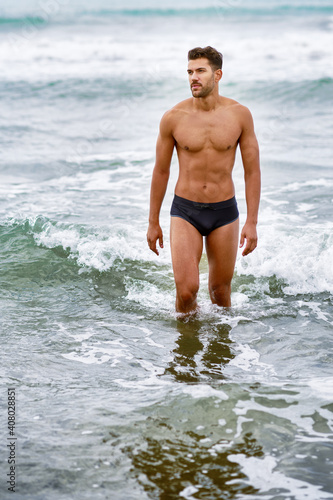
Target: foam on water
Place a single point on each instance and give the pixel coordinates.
(248, 360)
(323, 387)
(294, 245)
(258, 470)
(300, 258)
(90, 250)
(99, 353)
(299, 255)
(204, 391)
(54, 61)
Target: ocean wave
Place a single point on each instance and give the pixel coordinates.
(287, 91)
(60, 13)
(14, 21)
(233, 7)
(298, 256)
(100, 249)
(122, 96)
(297, 259)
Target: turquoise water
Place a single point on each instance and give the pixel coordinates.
(116, 398)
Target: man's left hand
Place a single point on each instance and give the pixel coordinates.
(249, 233)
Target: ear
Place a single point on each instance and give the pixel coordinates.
(218, 75)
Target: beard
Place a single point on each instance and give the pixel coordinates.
(203, 91)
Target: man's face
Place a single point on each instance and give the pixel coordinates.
(201, 77)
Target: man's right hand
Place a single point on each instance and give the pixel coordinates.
(154, 233)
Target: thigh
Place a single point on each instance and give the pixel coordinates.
(221, 248)
(186, 250)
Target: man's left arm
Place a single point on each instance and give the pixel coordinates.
(250, 156)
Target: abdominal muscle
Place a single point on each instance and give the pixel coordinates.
(203, 181)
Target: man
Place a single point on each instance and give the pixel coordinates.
(205, 130)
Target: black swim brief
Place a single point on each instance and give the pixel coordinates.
(205, 217)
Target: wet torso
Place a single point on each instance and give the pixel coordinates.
(206, 143)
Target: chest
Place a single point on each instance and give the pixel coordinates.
(198, 132)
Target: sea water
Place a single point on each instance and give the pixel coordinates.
(115, 398)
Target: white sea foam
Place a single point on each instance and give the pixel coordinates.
(204, 391)
(299, 258)
(297, 410)
(312, 183)
(297, 254)
(98, 353)
(127, 56)
(262, 473)
(150, 295)
(79, 335)
(248, 360)
(93, 250)
(323, 387)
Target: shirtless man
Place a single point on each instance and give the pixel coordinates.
(205, 130)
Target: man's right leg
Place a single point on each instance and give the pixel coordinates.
(186, 249)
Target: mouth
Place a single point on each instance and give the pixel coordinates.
(195, 86)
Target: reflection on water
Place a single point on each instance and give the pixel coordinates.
(170, 466)
(202, 351)
(185, 445)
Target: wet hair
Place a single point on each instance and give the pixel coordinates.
(214, 57)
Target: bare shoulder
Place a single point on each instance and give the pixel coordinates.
(242, 115)
(180, 108)
(172, 116)
(240, 110)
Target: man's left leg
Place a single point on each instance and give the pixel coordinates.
(221, 248)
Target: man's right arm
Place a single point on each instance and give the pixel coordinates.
(164, 150)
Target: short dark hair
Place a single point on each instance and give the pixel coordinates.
(214, 57)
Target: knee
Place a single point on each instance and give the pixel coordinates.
(187, 294)
(221, 294)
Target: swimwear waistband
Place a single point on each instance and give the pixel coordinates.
(213, 206)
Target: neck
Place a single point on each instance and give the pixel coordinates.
(208, 103)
